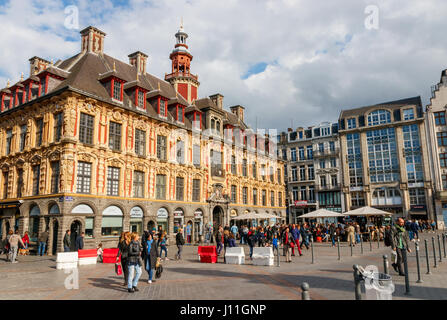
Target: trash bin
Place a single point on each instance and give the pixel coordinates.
(378, 286)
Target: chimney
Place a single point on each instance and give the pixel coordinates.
(92, 40)
(37, 64)
(218, 100)
(238, 111)
(139, 60)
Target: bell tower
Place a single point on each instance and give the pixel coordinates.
(181, 78)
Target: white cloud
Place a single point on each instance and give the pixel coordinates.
(309, 78)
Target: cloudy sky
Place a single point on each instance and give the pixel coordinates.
(289, 62)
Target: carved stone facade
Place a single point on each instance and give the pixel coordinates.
(53, 179)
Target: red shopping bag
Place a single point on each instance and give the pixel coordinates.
(118, 269)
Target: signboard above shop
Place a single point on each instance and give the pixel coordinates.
(162, 213)
(136, 212)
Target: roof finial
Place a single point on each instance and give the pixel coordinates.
(138, 78)
(176, 94)
(181, 23)
(114, 66)
(8, 84)
(158, 86)
(52, 62)
(21, 77)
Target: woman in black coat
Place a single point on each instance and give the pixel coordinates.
(151, 255)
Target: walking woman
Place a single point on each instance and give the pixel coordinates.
(287, 240)
(163, 247)
(151, 256)
(123, 250)
(134, 263)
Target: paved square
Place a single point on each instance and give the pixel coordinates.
(329, 278)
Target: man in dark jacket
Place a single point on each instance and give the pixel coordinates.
(67, 241)
(43, 238)
(400, 244)
(179, 241)
(80, 241)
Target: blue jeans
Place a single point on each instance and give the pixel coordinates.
(219, 247)
(131, 280)
(41, 249)
(251, 251)
(357, 237)
(163, 248)
(411, 234)
(149, 268)
(66, 249)
(333, 240)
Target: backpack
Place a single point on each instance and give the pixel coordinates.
(388, 239)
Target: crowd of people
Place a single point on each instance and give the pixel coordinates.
(133, 254)
(294, 237)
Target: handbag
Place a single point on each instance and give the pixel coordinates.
(157, 264)
(118, 269)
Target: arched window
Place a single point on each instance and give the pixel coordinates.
(379, 117)
(112, 221)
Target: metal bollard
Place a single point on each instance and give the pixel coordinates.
(361, 243)
(357, 283)
(277, 258)
(427, 257)
(439, 247)
(305, 295)
(407, 280)
(443, 244)
(351, 248)
(434, 251)
(338, 247)
(312, 249)
(417, 263)
(370, 242)
(385, 264)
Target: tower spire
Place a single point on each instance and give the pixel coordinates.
(180, 77)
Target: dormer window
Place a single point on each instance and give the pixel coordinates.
(162, 107)
(351, 123)
(409, 114)
(180, 115)
(117, 90)
(43, 86)
(197, 121)
(141, 99)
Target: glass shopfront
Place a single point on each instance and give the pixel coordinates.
(33, 223)
(136, 220)
(112, 222)
(198, 225)
(178, 220)
(162, 219)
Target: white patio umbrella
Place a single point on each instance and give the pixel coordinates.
(367, 211)
(321, 213)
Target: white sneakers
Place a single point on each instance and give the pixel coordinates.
(149, 281)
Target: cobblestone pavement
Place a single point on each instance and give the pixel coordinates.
(329, 278)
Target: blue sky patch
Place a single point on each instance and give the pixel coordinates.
(255, 69)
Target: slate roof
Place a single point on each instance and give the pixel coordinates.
(390, 105)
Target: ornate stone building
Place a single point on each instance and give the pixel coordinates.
(436, 124)
(95, 144)
(313, 172)
(385, 158)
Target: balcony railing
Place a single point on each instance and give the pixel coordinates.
(328, 187)
(217, 172)
(181, 74)
(324, 153)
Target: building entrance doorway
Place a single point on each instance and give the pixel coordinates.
(75, 231)
(218, 215)
(55, 233)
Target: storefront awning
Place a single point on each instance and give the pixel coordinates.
(11, 204)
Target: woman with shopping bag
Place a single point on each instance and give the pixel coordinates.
(123, 253)
(151, 257)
